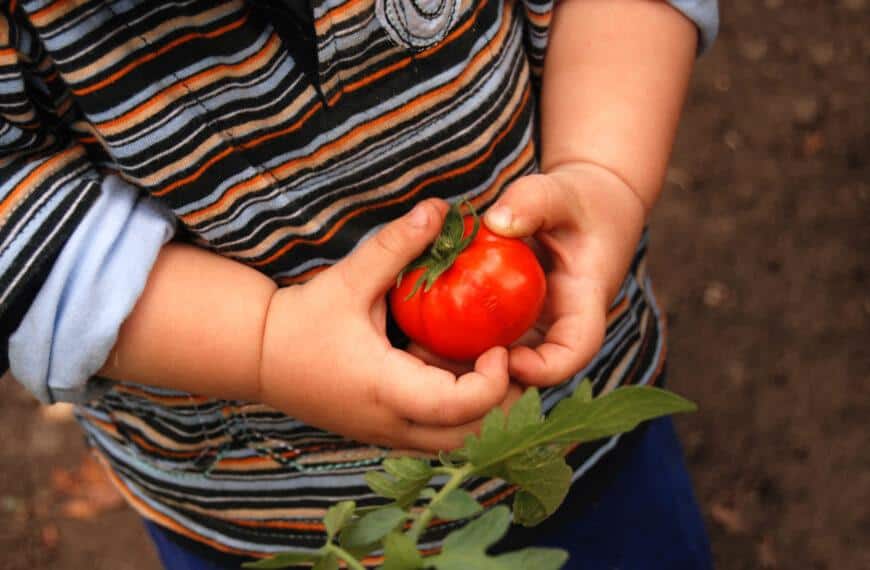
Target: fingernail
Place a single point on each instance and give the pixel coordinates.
(500, 216)
(419, 216)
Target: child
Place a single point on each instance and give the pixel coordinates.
(164, 165)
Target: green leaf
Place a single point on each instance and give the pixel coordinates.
(403, 491)
(408, 468)
(328, 562)
(465, 549)
(534, 557)
(573, 420)
(285, 559)
(337, 517)
(525, 412)
(620, 411)
(428, 493)
(583, 392)
(528, 510)
(400, 553)
(457, 504)
(502, 437)
(543, 474)
(454, 458)
(405, 477)
(481, 533)
(373, 526)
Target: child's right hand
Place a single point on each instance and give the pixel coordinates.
(326, 359)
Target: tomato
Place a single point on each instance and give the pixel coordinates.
(473, 290)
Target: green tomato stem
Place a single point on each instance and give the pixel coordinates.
(346, 556)
(457, 476)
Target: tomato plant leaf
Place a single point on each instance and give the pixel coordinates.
(481, 533)
(285, 559)
(575, 420)
(400, 553)
(466, 548)
(373, 526)
(533, 557)
(457, 504)
(408, 468)
(583, 391)
(525, 412)
(337, 517)
(543, 474)
(528, 510)
(403, 491)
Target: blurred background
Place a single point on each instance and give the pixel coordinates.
(761, 258)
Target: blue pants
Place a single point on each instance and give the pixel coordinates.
(647, 519)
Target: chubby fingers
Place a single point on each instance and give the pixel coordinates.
(371, 269)
(530, 204)
(432, 438)
(432, 396)
(454, 366)
(571, 342)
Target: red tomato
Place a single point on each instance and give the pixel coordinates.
(489, 295)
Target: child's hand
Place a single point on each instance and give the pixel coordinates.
(587, 223)
(327, 361)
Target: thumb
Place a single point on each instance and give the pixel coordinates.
(373, 266)
(528, 205)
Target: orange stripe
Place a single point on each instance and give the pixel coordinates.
(8, 51)
(155, 54)
(617, 311)
(196, 174)
(193, 217)
(141, 442)
(335, 12)
(106, 427)
(290, 525)
(182, 84)
(444, 176)
(255, 460)
(540, 20)
(166, 400)
(49, 10)
(27, 183)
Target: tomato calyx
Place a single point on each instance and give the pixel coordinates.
(444, 250)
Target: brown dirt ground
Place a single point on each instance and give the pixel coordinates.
(760, 252)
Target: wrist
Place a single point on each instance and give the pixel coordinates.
(584, 175)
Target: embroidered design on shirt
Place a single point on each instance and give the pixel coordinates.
(417, 24)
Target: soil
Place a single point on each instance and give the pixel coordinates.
(760, 251)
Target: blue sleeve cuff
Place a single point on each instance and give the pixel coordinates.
(705, 15)
(69, 330)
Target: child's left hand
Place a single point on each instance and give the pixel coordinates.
(585, 223)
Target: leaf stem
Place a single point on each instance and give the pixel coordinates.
(346, 556)
(457, 476)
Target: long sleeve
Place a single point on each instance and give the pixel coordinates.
(70, 328)
(47, 183)
(76, 246)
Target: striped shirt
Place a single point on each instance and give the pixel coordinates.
(283, 158)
